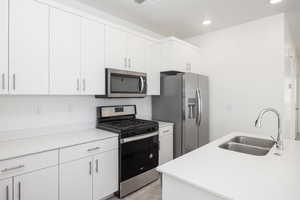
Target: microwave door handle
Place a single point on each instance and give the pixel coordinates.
(142, 84)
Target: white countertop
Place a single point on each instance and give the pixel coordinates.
(164, 124)
(21, 147)
(240, 176)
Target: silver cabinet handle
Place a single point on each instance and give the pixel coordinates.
(97, 165)
(125, 62)
(3, 81)
(90, 168)
(166, 131)
(77, 87)
(83, 84)
(19, 188)
(129, 62)
(14, 81)
(7, 193)
(12, 168)
(142, 84)
(93, 149)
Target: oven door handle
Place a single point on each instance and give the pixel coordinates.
(139, 137)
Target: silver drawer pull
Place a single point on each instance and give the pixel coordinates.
(166, 131)
(3, 81)
(97, 166)
(14, 81)
(93, 149)
(7, 192)
(19, 186)
(12, 168)
(90, 168)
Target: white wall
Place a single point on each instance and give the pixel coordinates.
(245, 65)
(32, 112)
(291, 71)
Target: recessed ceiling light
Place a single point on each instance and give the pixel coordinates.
(207, 22)
(275, 1)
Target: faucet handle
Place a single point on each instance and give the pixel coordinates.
(273, 139)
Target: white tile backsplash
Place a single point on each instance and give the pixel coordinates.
(34, 112)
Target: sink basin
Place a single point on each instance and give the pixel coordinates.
(245, 149)
(249, 145)
(264, 143)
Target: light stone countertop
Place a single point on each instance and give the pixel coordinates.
(21, 147)
(240, 176)
(164, 124)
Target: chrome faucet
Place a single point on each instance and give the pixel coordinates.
(258, 123)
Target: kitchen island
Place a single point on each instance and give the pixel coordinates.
(213, 173)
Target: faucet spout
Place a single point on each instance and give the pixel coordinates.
(258, 123)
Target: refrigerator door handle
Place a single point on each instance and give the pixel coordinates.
(199, 106)
(197, 111)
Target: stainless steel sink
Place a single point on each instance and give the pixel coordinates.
(257, 142)
(249, 145)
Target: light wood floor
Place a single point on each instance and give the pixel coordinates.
(150, 192)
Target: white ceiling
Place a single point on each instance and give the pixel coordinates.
(183, 18)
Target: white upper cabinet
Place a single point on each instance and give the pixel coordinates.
(152, 63)
(124, 50)
(65, 53)
(4, 46)
(115, 48)
(29, 36)
(42, 184)
(92, 69)
(178, 55)
(136, 49)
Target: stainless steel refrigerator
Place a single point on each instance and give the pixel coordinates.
(184, 100)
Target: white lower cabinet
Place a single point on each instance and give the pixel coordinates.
(90, 178)
(166, 144)
(6, 189)
(76, 180)
(42, 184)
(105, 180)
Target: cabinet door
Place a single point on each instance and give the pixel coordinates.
(152, 63)
(93, 70)
(105, 180)
(4, 46)
(166, 148)
(76, 180)
(136, 47)
(29, 48)
(37, 185)
(6, 189)
(65, 52)
(115, 48)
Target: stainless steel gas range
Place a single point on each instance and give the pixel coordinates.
(138, 146)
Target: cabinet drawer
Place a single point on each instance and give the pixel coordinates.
(26, 164)
(84, 150)
(166, 130)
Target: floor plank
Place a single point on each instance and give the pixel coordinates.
(150, 192)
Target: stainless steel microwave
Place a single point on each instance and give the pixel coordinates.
(122, 83)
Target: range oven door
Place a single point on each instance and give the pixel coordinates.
(138, 156)
(121, 83)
